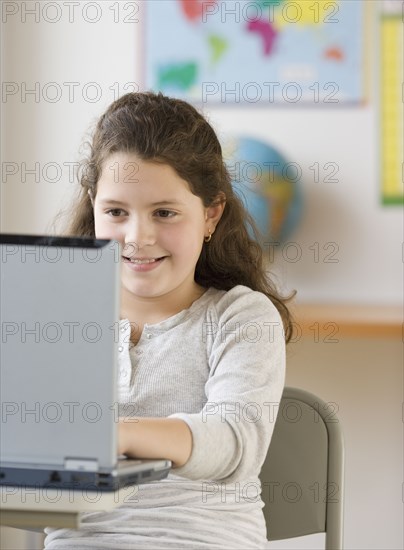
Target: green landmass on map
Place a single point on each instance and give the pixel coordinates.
(177, 75)
(267, 3)
(218, 46)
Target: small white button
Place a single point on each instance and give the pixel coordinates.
(148, 336)
(123, 328)
(120, 348)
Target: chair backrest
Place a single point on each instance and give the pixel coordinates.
(303, 474)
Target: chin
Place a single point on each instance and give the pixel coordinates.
(140, 290)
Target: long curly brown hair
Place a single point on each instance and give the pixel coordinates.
(167, 130)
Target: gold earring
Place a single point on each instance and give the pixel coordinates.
(207, 239)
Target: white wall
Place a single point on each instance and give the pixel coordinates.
(364, 377)
(348, 213)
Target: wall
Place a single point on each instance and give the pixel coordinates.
(348, 213)
(364, 377)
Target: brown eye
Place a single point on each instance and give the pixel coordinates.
(114, 212)
(166, 213)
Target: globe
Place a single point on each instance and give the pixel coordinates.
(268, 185)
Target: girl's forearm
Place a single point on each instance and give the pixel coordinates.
(168, 438)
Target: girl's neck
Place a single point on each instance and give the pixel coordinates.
(153, 310)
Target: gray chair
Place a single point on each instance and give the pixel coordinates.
(302, 477)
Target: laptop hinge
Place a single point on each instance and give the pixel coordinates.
(84, 464)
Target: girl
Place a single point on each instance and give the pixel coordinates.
(202, 350)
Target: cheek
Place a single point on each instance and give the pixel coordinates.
(103, 230)
(185, 240)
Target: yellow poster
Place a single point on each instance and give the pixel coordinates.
(391, 97)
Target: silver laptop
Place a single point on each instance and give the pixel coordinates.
(59, 313)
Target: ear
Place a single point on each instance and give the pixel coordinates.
(214, 212)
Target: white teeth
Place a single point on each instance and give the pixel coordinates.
(134, 261)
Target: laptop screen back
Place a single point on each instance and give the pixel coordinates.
(59, 339)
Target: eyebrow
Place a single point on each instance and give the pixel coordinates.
(158, 203)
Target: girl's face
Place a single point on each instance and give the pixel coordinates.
(149, 209)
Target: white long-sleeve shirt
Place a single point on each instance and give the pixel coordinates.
(219, 366)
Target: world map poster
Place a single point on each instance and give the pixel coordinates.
(271, 51)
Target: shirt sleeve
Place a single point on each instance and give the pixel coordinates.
(246, 353)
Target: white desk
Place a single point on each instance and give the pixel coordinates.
(31, 508)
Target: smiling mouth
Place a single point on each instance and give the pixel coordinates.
(140, 261)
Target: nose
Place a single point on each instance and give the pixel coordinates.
(140, 233)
